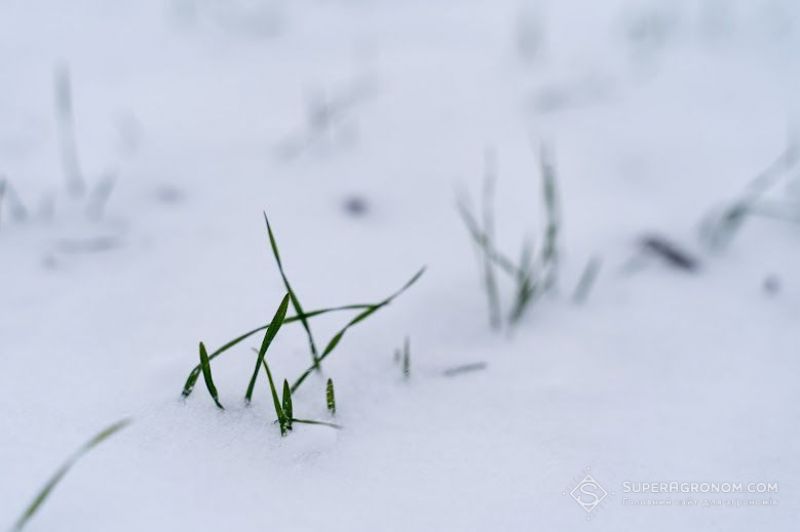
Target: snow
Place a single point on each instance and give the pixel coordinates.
(659, 376)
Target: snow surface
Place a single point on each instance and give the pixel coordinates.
(200, 107)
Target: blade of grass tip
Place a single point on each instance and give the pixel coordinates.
(281, 415)
(191, 380)
(586, 281)
(314, 422)
(358, 318)
(272, 331)
(295, 301)
(330, 397)
(206, 367)
(406, 358)
(287, 404)
(44, 493)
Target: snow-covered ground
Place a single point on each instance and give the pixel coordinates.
(656, 113)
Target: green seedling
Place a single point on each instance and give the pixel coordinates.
(288, 410)
(191, 380)
(283, 421)
(330, 397)
(206, 367)
(533, 275)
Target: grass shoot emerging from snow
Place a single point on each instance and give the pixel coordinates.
(586, 282)
(717, 230)
(284, 408)
(272, 331)
(407, 359)
(206, 367)
(330, 397)
(533, 275)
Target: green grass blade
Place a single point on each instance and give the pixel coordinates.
(549, 192)
(275, 401)
(44, 493)
(489, 275)
(272, 331)
(287, 404)
(295, 301)
(65, 121)
(330, 397)
(314, 422)
(586, 281)
(360, 317)
(464, 368)
(191, 380)
(528, 291)
(481, 241)
(206, 367)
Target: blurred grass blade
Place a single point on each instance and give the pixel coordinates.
(527, 286)
(330, 397)
(464, 368)
(527, 291)
(586, 281)
(481, 241)
(272, 331)
(295, 301)
(490, 277)
(191, 380)
(40, 498)
(206, 367)
(287, 404)
(549, 192)
(360, 317)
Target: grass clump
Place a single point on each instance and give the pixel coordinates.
(283, 405)
(44, 493)
(534, 273)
